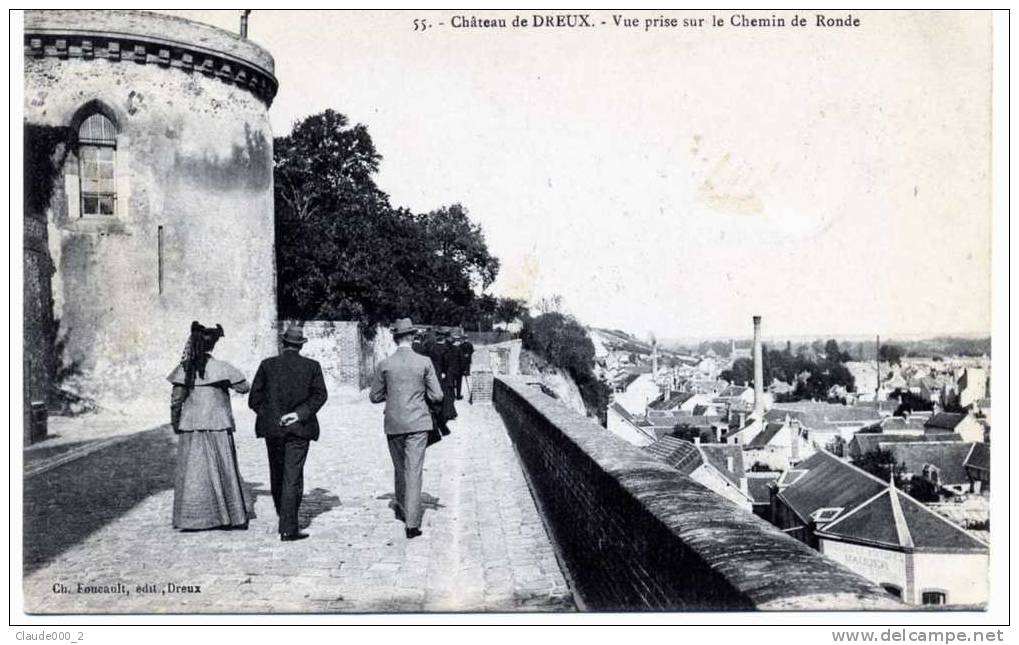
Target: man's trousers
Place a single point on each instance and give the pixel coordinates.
(286, 477)
(408, 453)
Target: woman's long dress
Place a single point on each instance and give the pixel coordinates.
(207, 488)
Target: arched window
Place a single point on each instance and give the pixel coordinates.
(894, 590)
(97, 153)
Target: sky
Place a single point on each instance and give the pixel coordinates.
(678, 181)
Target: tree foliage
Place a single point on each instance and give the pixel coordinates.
(344, 253)
(882, 464)
(563, 342)
(890, 354)
(813, 373)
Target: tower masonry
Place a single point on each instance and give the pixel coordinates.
(150, 202)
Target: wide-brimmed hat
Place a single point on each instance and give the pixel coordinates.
(294, 335)
(402, 327)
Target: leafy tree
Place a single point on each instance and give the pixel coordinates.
(686, 432)
(881, 464)
(837, 446)
(344, 253)
(891, 354)
(910, 402)
(564, 343)
(834, 354)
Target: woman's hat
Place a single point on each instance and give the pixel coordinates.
(198, 328)
(403, 326)
(294, 335)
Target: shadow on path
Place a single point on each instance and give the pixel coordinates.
(63, 506)
(428, 502)
(315, 503)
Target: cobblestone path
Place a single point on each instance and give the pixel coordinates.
(104, 520)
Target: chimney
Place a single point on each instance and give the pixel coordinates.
(244, 22)
(877, 392)
(758, 371)
(654, 356)
(794, 444)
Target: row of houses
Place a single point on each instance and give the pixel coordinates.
(793, 466)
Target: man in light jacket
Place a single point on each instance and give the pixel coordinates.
(406, 381)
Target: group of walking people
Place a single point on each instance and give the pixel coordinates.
(418, 384)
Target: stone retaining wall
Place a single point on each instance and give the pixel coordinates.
(637, 535)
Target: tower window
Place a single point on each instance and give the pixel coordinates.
(934, 598)
(97, 151)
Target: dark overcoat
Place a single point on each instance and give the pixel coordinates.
(284, 384)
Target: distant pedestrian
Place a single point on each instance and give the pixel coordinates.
(449, 366)
(467, 351)
(455, 365)
(407, 381)
(287, 393)
(207, 487)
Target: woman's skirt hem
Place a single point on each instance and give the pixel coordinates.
(207, 488)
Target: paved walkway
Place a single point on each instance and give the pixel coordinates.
(104, 520)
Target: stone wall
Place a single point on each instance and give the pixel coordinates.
(337, 346)
(637, 535)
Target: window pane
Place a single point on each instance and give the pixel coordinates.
(90, 185)
(933, 598)
(97, 128)
(98, 181)
(106, 205)
(89, 205)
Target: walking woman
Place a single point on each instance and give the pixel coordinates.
(207, 492)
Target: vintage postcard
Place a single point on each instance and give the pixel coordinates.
(516, 311)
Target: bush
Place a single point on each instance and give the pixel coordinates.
(564, 343)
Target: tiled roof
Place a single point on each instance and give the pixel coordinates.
(681, 455)
(894, 519)
(621, 411)
(790, 477)
(765, 436)
(758, 486)
(671, 402)
(947, 456)
(979, 457)
(829, 482)
(945, 420)
(891, 424)
(870, 441)
(718, 454)
(822, 416)
(734, 390)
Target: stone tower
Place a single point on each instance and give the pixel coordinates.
(150, 200)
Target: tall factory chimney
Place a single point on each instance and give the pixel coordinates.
(654, 355)
(758, 371)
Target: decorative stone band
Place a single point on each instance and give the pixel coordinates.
(636, 534)
(51, 34)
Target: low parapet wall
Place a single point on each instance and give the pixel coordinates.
(638, 535)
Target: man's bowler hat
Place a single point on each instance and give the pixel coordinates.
(294, 335)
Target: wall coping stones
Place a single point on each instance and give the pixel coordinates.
(146, 37)
(770, 569)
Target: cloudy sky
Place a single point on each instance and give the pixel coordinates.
(678, 181)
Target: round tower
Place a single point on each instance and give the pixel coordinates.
(150, 200)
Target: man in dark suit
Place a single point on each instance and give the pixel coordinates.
(406, 381)
(467, 351)
(287, 392)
